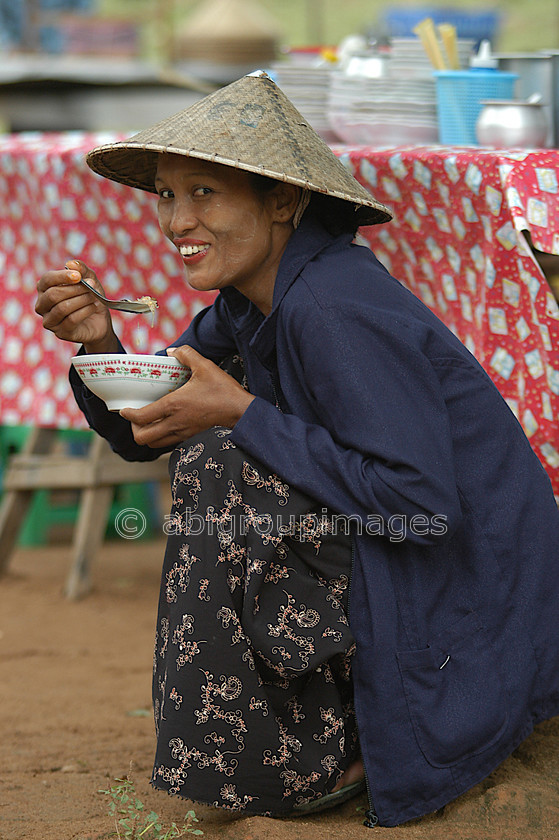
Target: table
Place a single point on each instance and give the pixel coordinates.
(53, 207)
(41, 92)
(455, 240)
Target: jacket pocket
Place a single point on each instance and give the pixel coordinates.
(454, 692)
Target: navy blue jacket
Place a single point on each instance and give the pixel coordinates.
(388, 420)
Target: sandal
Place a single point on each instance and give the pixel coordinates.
(330, 800)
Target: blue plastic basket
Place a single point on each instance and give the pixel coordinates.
(459, 97)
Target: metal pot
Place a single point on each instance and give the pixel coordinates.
(535, 75)
(512, 124)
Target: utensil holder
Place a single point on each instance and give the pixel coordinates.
(459, 97)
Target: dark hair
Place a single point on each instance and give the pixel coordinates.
(335, 214)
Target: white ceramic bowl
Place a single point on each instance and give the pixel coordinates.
(125, 380)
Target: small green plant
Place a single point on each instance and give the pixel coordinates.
(132, 822)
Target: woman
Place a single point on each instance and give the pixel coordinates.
(367, 451)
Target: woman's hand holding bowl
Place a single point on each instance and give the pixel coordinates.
(211, 397)
(71, 312)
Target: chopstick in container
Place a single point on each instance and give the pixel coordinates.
(425, 30)
(448, 36)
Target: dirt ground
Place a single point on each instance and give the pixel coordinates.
(75, 714)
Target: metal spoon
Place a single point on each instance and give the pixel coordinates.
(123, 305)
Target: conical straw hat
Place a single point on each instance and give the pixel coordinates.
(230, 20)
(250, 125)
(229, 31)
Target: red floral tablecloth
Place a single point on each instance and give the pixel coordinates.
(52, 207)
(455, 241)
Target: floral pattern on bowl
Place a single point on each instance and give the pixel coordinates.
(130, 380)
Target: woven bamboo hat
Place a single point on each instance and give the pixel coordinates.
(250, 125)
(233, 32)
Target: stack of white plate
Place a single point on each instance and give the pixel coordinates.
(308, 88)
(409, 60)
(396, 108)
(391, 102)
(383, 112)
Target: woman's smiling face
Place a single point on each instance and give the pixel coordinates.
(226, 232)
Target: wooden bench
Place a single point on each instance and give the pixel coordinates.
(95, 475)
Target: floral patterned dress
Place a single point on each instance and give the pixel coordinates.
(252, 689)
